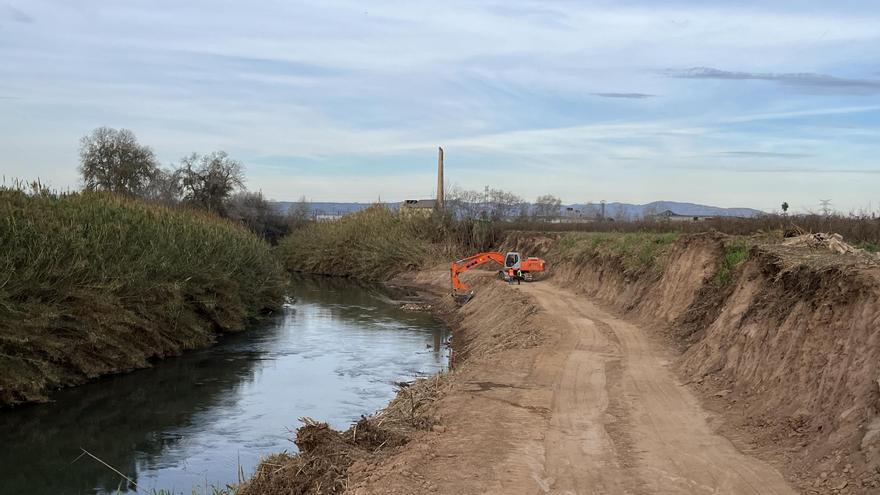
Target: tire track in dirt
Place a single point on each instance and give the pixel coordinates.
(655, 439)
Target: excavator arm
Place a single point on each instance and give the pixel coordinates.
(461, 266)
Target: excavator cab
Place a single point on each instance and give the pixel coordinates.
(512, 260)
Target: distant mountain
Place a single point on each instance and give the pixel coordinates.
(325, 208)
(633, 211)
(612, 210)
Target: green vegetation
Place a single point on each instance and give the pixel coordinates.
(638, 252)
(373, 244)
(735, 252)
(379, 243)
(871, 247)
(95, 283)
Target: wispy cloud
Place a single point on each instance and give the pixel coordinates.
(762, 154)
(635, 96)
(822, 81)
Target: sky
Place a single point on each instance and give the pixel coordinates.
(736, 103)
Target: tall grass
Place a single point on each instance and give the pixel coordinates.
(373, 244)
(638, 252)
(93, 283)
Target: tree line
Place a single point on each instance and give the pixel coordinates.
(497, 204)
(113, 160)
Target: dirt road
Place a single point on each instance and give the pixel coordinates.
(595, 410)
(621, 422)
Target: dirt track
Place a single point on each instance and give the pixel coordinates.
(592, 410)
(621, 422)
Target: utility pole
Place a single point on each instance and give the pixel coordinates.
(826, 207)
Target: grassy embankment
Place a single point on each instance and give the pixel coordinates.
(637, 252)
(93, 284)
(377, 243)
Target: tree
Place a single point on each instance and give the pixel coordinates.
(503, 204)
(548, 206)
(112, 160)
(209, 180)
(299, 214)
(164, 187)
(784, 207)
(256, 213)
(463, 203)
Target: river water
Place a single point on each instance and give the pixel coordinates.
(194, 421)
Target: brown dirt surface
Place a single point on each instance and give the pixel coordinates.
(586, 404)
(567, 386)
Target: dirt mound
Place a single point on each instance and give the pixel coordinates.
(319, 468)
(795, 352)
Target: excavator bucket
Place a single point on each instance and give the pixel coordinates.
(462, 298)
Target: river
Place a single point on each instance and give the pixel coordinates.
(194, 422)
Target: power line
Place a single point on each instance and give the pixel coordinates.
(826, 206)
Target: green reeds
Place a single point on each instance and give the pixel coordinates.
(373, 244)
(94, 283)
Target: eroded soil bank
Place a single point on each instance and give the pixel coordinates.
(691, 373)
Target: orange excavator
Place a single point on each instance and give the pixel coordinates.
(515, 268)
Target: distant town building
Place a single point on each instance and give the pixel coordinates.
(418, 207)
(671, 216)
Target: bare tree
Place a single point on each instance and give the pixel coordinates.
(259, 215)
(208, 180)
(463, 203)
(112, 160)
(299, 214)
(547, 206)
(164, 187)
(504, 204)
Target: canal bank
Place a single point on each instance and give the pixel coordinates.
(201, 419)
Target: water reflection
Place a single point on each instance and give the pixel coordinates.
(195, 419)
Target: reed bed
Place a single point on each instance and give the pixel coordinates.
(92, 283)
(373, 244)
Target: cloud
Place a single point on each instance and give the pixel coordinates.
(808, 170)
(820, 81)
(762, 154)
(18, 15)
(635, 96)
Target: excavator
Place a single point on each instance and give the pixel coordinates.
(515, 268)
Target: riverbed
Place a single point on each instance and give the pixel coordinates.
(202, 420)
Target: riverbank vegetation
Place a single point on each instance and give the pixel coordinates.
(378, 243)
(95, 283)
(113, 160)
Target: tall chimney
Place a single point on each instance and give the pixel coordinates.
(440, 196)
